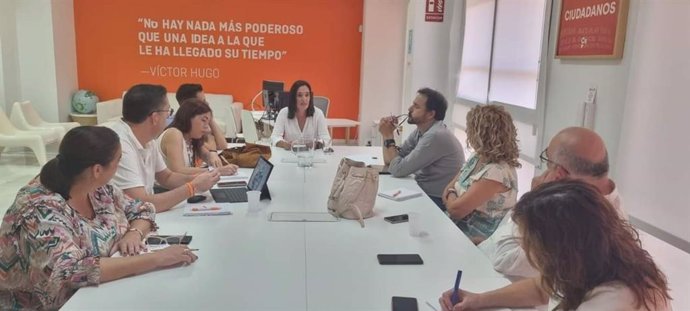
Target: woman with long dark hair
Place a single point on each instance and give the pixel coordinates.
(588, 257)
(300, 119)
(62, 228)
(182, 143)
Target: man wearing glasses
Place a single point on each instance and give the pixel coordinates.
(145, 110)
(431, 152)
(574, 152)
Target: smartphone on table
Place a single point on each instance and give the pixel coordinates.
(400, 259)
(397, 219)
(404, 304)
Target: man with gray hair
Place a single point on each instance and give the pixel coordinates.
(576, 153)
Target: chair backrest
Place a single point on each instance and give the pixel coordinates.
(6, 127)
(108, 110)
(31, 114)
(251, 135)
(221, 104)
(18, 118)
(230, 127)
(322, 103)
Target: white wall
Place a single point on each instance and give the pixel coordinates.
(429, 63)
(65, 48)
(37, 57)
(568, 82)
(9, 61)
(45, 50)
(383, 43)
(652, 163)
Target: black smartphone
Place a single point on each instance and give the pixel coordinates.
(396, 219)
(400, 259)
(232, 184)
(168, 239)
(404, 304)
(196, 199)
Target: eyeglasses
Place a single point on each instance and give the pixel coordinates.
(165, 239)
(404, 118)
(171, 111)
(545, 160)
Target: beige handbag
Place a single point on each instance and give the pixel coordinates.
(354, 191)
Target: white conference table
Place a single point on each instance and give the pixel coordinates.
(330, 123)
(249, 263)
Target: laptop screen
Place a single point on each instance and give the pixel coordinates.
(260, 174)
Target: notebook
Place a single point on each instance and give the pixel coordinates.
(367, 159)
(400, 194)
(207, 209)
(236, 177)
(257, 181)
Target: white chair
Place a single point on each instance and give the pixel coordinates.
(231, 130)
(49, 134)
(322, 103)
(251, 135)
(10, 136)
(25, 110)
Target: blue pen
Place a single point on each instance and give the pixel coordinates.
(455, 297)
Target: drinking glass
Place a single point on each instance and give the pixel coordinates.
(303, 148)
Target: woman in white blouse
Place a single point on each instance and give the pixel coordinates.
(588, 257)
(300, 119)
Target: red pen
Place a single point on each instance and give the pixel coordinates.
(397, 193)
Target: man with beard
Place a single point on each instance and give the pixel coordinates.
(431, 151)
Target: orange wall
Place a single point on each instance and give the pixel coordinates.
(111, 57)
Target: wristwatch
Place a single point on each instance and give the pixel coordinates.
(389, 143)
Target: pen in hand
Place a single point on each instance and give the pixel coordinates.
(455, 297)
(223, 160)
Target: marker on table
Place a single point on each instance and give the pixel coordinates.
(397, 193)
(455, 297)
(205, 208)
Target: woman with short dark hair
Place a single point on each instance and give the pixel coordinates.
(61, 230)
(589, 258)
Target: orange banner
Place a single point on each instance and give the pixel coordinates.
(229, 46)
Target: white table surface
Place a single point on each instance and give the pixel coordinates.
(248, 263)
(336, 122)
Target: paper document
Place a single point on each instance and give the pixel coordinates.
(400, 194)
(207, 209)
(367, 159)
(236, 177)
(302, 217)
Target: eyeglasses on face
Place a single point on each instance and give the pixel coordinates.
(544, 158)
(171, 111)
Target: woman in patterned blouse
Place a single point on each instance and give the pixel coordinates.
(485, 189)
(65, 224)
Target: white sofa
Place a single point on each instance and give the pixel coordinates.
(226, 113)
